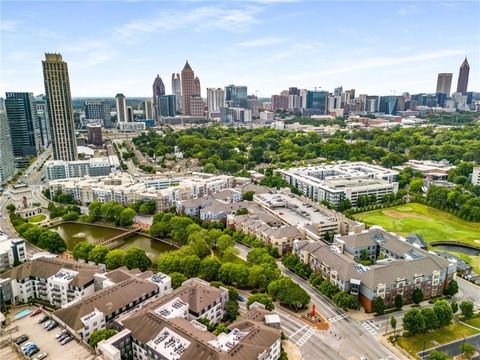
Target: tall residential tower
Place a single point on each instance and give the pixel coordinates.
(121, 108)
(177, 90)
(60, 111)
(7, 161)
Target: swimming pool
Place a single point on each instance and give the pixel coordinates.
(22, 313)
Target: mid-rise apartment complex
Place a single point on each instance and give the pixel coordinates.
(58, 169)
(397, 267)
(57, 281)
(335, 183)
(12, 252)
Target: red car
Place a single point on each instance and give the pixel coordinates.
(36, 312)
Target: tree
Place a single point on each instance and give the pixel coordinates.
(451, 288)
(99, 335)
(378, 306)
(438, 355)
(94, 211)
(221, 328)
(414, 321)
(416, 185)
(179, 228)
(467, 349)
(431, 321)
(443, 313)
(393, 324)
(417, 296)
(11, 208)
(264, 299)
(224, 242)
(345, 300)
(454, 307)
(52, 242)
(258, 256)
(115, 259)
(198, 244)
(344, 205)
(209, 268)
(177, 279)
(399, 301)
(289, 293)
(82, 250)
(98, 254)
(248, 195)
(466, 307)
(231, 310)
(328, 289)
(126, 217)
(230, 254)
(189, 265)
(136, 258)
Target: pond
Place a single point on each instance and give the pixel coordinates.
(457, 248)
(74, 233)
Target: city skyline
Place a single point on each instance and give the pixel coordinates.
(257, 44)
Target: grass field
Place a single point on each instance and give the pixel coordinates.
(37, 218)
(432, 224)
(414, 344)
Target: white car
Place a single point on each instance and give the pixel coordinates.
(40, 356)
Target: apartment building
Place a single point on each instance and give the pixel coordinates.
(337, 182)
(397, 267)
(125, 188)
(193, 207)
(167, 332)
(59, 169)
(122, 291)
(57, 281)
(432, 170)
(12, 252)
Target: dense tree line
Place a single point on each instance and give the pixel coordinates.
(111, 212)
(233, 151)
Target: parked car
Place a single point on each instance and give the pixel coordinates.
(36, 312)
(241, 298)
(60, 334)
(26, 346)
(63, 336)
(43, 319)
(21, 339)
(32, 351)
(66, 340)
(40, 356)
(52, 325)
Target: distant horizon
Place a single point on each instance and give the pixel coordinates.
(377, 48)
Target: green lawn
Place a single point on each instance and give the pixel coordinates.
(432, 224)
(414, 344)
(37, 218)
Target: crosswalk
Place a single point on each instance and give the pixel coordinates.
(337, 318)
(370, 327)
(305, 337)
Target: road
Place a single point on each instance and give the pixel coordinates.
(346, 338)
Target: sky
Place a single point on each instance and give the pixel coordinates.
(377, 48)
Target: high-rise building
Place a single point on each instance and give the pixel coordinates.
(252, 104)
(389, 105)
(177, 90)
(236, 96)
(372, 103)
(158, 90)
(130, 115)
(98, 109)
(94, 134)
(148, 109)
(196, 106)
(60, 111)
(7, 160)
(444, 83)
(294, 102)
(279, 102)
(233, 115)
(42, 113)
(188, 88)
(24, 124)
(215, 99)
(293, 91)
(317, 102)
(167, 105)
(462, 83)
(197, 89)
(121, 108)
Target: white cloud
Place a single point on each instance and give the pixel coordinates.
(260, 42)
(9, 25)
(380, 62)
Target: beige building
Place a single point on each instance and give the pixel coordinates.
(60, 111)
(444, 83)
(188, 88)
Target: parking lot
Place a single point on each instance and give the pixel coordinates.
(46, 340)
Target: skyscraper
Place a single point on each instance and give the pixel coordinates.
(197, 89)
(167, 105)
(158, 89)
(317, 102)
(462, 83)
(444, 83)
(60, 111)
(236, 96)
(279, 102)
(121, 108)
(130, 114)
(24, 124)
(188, 88)
(7, 161)
(177, 90)
(99, 109)
(389, 105)
(42, 112)
(196, 105)
(215, 99)
(148, 109)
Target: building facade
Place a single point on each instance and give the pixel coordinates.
(177, 90)
(444, 83)
(24, 124)
(236, 96)
(463, 73)
(42, 112)
(58, 169)
(158, 90)
(121, 105)
(167, 105)
(7, 159)
(215, 99)
(99, 109)
(60, 111)
(188, 89)
(12, 252)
